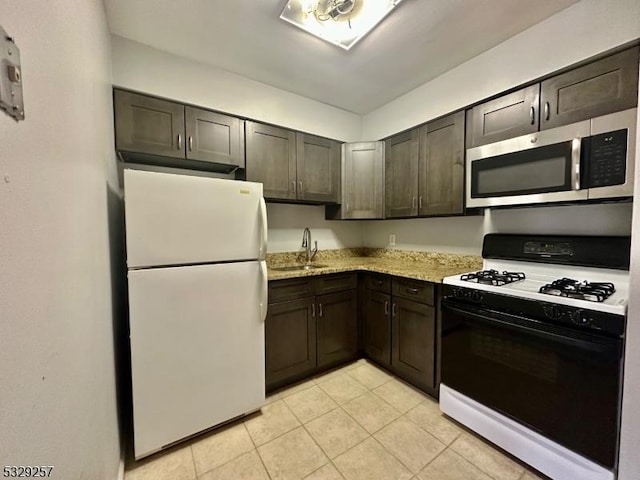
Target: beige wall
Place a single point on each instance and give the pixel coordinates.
(57, 385)
(139, 67)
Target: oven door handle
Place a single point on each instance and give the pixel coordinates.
(557, 335)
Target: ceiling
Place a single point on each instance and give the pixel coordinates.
(418, 41)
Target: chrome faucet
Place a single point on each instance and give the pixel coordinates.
(306, 243)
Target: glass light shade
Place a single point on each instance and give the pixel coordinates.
(325, 18)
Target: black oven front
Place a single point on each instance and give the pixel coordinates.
(560, 382)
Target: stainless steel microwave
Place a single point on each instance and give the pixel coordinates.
(592, 159)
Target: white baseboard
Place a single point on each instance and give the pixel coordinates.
(121, 467)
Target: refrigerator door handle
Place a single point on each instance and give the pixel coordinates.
(263, 217)
(265, 290)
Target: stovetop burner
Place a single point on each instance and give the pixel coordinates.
(567, 287)
(493, 277)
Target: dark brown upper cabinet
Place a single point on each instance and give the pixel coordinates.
(599, 88)
(271, 159)
(362, 182)
(148, 125)
(214, 137)
(505, 117)
(401, 175)
(154, 130)
(441, 166)
(424, 169)
(318, 168)
(292, 166)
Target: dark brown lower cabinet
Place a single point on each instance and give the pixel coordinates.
(315, 323)
(376, 326)
(312, 325)
(413, 342)
(336, 327)
(290, 341)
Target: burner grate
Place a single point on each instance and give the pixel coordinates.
(493, 277)
(567, 287)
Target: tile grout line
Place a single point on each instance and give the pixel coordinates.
(255, 447)
(193, 461)
(468, 460)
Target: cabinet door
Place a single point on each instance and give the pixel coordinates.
(318, 168)
(413, 346)
(337, 327)
(290, 341)
(376, 326)
(271, 159)
(505, 117)
(213, 137)
(148, 125)
(401, 175)
(605, 86)
(363, 180)
(442, 166)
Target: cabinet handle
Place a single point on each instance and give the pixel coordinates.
(547, 110)
(319, 309)
(179, 141)
(413, 202)
(190, 143)
(394, 310)
(412, 291)
(347, 207)
(300, 186)
(532, 114)
(386, 307)
(420, 202)
(294, 186)
(313, 310)
(379, 283)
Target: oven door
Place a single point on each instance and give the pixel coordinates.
(561, 383)
(538, 168)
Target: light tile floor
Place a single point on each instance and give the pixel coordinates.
(354, 423)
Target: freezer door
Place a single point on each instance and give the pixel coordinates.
(197, 349)
(180, 219)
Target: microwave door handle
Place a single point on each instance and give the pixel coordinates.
(576, 147)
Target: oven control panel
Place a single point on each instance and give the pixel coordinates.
(536, 310)
(475, 296)
(577, 316)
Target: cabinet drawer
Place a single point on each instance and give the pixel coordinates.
(413, 289)
(289, 289)
(335, 283)
(379, 283)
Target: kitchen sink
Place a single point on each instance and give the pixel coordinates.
(293, 268)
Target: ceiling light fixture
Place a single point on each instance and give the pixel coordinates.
(341, 22)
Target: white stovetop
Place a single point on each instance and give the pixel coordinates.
(538, 275)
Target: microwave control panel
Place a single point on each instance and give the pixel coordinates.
(607, 159)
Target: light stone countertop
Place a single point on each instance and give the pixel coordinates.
(427, 266)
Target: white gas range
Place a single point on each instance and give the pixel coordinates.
(532, 350)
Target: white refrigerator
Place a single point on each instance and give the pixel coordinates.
(197, 284)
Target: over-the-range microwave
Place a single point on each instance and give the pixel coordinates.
(592, 159)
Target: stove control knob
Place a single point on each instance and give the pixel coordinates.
(581, 317)
(477, 296)
(553, 312)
